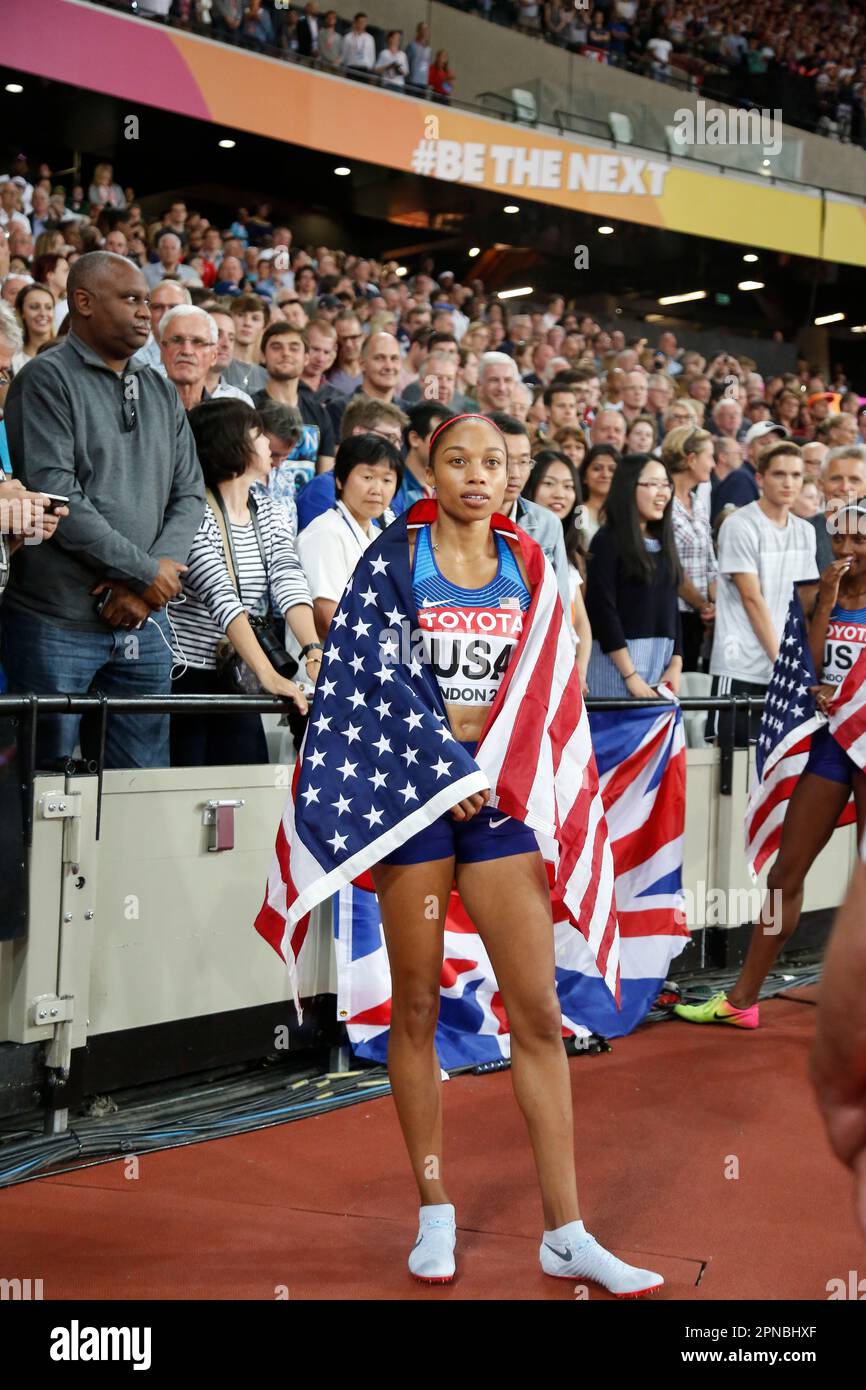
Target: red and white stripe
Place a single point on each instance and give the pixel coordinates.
(848, 713)
(537, 752)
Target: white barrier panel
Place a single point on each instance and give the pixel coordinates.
(148, 925)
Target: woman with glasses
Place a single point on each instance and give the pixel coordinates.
(688, 456)
(632, 584)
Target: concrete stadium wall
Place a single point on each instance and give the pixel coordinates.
(490, 58)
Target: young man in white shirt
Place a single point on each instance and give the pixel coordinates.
(359, 50)
(764, 551)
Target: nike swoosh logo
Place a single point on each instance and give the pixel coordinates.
(566, 1255)
(501, 821)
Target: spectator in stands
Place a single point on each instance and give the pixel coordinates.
(741, 486)
(330, 41)
(424, 418)
(764, 552)
(808, 504)
(284, 350)
(609, 428)
(536, 521)
(188, 338)
(243, 560)
(418, 53)
(595, 477)
(571, 441)
(641, 435)
(554, 484)
(392, 63)
(359, 50)
(843, 480)
(346, 375)
(380, 366)
(216, 386)
(688, 456)
(168, 248)
(34, 305)
(529, 15)
(361, 416)
(727, 419)
(250, 313)
(86, 424)
(11, 214)
(367, 473)
(728, 456)
(561, 402)
(633, 577)
(841, 430)
(52, 271)
(167, 295)
(556, 21)
(321, 354)
(308, 31)
(634, 394)
(660, 390)
(437, 381)
(814, 455)
(22, 513)
(440, 78)
(103, 191)
(497, 374)
(283, 429)
(786, 409)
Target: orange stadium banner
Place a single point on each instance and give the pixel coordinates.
(137, 60)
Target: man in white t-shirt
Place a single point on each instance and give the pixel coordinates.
(764, 551)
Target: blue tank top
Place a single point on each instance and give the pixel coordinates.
(469, 634)
(845, 640)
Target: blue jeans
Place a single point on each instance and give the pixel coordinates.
(42, 658)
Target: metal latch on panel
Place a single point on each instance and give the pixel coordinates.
(62, 805)
(219, 817)
(48, 1009)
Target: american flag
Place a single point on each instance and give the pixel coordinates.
(789, 721)
(379, 763)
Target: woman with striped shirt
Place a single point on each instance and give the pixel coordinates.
(234, 454)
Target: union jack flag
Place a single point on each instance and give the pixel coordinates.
(379, 763)
(789, 721)
(641, 763)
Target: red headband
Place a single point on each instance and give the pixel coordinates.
(470, 415)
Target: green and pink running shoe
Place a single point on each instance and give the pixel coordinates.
(718, 1010)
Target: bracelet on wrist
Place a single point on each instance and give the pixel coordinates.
(312, 646)
(629, 676)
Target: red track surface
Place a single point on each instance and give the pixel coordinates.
(326, 1207)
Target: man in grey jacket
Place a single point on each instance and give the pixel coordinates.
(86, 423)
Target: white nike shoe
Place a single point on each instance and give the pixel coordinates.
(584, 1258)
(431, 1259)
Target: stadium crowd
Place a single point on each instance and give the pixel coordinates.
(820, 47)
(278, 400)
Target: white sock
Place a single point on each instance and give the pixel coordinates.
(570, 1252)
